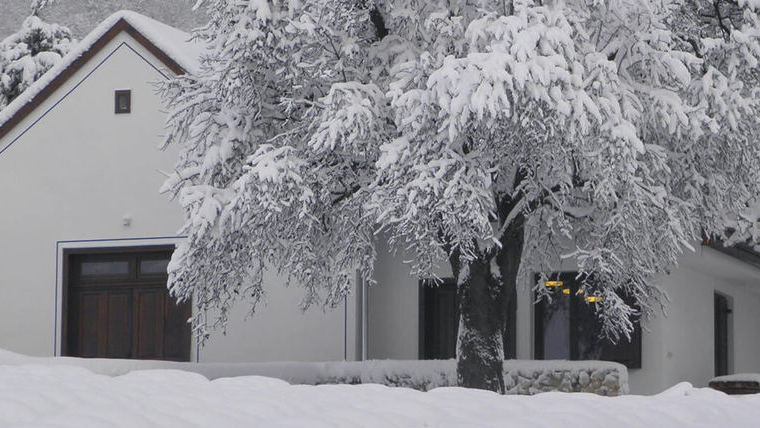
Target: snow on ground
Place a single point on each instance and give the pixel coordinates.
(64, 396)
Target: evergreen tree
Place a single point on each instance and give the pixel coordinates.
(497, 136)
(26, 55)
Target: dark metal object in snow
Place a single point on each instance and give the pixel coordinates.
(736, 387)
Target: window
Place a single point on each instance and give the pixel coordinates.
(123, 101)
(153, 266)
(568, 328)
(104, 267)
(439, 321)
(722, 334)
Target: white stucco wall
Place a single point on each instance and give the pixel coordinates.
(679, 346)
(279, 331)
(76, 173)
(392, 309)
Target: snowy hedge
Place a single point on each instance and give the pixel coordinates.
(521, 376)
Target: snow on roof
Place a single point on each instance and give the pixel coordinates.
(172, 41)
(738, 377)
(169, 41)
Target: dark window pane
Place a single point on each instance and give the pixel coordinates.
(114, 267)
(588, 328)
(569, 328)
(441, 319)
(721, 334)
(122, 102)
(557, 327)
(154, 266)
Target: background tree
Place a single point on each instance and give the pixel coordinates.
(38, 5)
(496, 136)
(26, 55)
(81, 16)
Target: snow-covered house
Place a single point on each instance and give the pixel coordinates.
(85, 238)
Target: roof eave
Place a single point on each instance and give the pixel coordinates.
(120, 25)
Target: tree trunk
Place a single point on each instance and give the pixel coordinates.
(484, 297)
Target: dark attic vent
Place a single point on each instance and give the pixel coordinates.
(122, 101)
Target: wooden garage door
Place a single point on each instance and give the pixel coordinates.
(117, 306)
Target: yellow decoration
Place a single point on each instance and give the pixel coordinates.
(594, 299)
(554, 283)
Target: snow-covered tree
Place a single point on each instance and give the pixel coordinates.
(497, 136)
(81, 16)
(29, 53)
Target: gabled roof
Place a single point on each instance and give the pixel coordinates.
(743, 251)
(170, 45)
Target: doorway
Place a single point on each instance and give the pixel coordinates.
(439, 321)
(722, 308)
(116, 305)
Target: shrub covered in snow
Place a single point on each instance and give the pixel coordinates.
(522, 377)
(28, 54)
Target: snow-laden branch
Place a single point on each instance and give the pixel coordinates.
(629, 124)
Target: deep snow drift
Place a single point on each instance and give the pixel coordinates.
(63, 396)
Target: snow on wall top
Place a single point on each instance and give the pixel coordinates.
(174, 43)
(520, 376)
(738, 377)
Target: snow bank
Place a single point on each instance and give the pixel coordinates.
(521, 377)
(61, 396)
